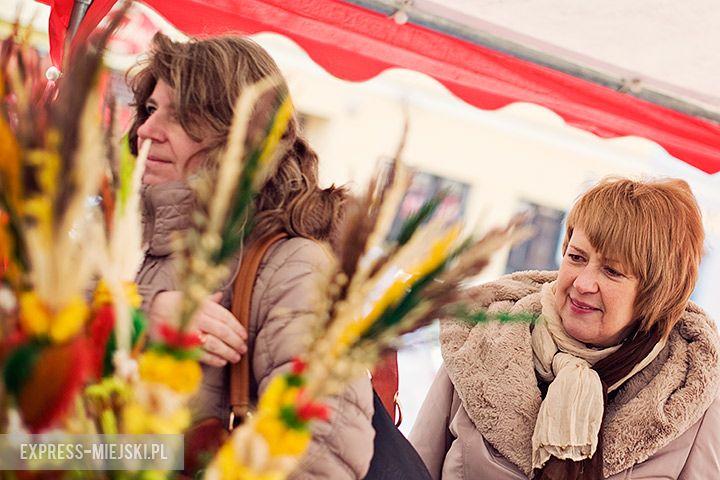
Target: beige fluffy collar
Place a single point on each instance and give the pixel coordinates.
(491, 367)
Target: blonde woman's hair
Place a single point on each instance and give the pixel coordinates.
(655, 229)
(207, 76)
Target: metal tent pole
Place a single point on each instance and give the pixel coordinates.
(80, 8)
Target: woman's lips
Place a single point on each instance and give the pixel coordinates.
(157, 160)
(581, 307)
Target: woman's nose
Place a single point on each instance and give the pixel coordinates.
(152, 129)
(586, 281)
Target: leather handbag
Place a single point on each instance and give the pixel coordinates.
(204, 439)
(394, 457)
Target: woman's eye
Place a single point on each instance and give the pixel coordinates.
(575, 258)
(613, 273)
(150, 109)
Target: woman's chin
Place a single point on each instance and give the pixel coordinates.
(580, 331)
(584, 335)
(150, 178)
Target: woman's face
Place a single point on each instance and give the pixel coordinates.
(594, 295)
(173, 153)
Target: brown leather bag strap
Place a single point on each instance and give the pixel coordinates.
(242, 295)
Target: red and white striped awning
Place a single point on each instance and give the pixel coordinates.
(355, 43)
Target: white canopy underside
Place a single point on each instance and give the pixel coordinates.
(669, 46)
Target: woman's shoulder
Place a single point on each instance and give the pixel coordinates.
(517, 293)
(674, 395)
(295, 264)
(696, 334)
(290, 279)
(696, 325)
(509, 289)
(298, 250)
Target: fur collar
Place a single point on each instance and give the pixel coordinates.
(491, 368)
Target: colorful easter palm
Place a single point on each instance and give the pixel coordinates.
(51, 164)
(56, 241)
(379, 291)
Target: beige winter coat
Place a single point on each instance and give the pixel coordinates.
(283, 299)
(478, 418)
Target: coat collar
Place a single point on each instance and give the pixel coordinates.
(167, 208)
(491, 368)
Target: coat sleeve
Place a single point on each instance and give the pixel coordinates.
(290, 285)
(156, 275)
(431, 430)
(704, 458)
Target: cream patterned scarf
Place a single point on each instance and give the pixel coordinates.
(570, 416)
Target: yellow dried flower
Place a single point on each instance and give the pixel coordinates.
(280, 439)
(48, 164)
(181, 375)
(9, 161)
(102, 295)
(438, 253)
(282, 117)
(138, 420)
(69, 321)
(38, 320)
(230, 469)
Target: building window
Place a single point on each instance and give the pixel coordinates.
(540, 252)
(423, 186)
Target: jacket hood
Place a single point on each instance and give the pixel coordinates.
(491, 368)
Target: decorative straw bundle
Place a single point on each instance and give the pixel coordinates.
(379, 291)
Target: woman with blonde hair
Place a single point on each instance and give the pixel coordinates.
(618, 376)
(184, 98)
